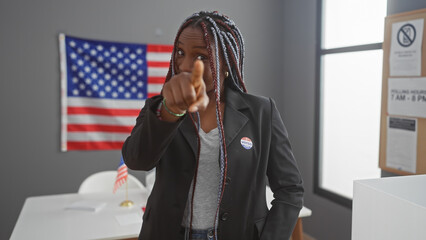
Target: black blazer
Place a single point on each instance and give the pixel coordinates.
(172, 149)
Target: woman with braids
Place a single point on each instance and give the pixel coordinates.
(214, 146)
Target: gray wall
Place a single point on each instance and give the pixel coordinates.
(329, 220)
(29, 91)
(398, 6)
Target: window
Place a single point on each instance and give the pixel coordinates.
(349, 89)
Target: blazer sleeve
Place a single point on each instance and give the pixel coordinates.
(149, 138)
(285, 182)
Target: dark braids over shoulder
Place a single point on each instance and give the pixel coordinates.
(228, 43)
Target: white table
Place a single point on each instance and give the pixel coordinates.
(45, 217)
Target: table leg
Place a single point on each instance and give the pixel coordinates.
(298, 230)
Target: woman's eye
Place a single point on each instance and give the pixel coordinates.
(201, 57)
(179, 52)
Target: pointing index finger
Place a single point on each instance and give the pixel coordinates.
(197, 73)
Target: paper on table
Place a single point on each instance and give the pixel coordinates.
(86, 205)
(127, 219)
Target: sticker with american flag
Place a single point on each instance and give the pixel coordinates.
(103, 87)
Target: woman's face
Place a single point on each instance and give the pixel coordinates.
(192, 46)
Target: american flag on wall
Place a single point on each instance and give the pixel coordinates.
(103, 87)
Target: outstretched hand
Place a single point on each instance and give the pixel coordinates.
(186, 92)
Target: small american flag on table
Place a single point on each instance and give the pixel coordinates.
(122, 174)
(103, 87)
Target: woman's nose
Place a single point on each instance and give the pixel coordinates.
(186, 65)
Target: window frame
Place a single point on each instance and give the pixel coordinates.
(320, 52)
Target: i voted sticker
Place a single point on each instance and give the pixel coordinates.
(246, 143)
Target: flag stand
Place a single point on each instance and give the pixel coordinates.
(127, 202)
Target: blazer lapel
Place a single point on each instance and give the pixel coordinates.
(188, 131)
(234, 120)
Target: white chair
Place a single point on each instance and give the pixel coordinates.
(150, 180)
(269, 197)
(104, 182)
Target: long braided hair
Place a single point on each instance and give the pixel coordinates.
(228, 43)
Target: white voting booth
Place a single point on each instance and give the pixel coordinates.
(389, 208)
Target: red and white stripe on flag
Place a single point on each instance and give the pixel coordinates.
(121, 176)
(102, 89)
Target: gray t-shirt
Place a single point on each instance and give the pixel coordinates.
(207, 187)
